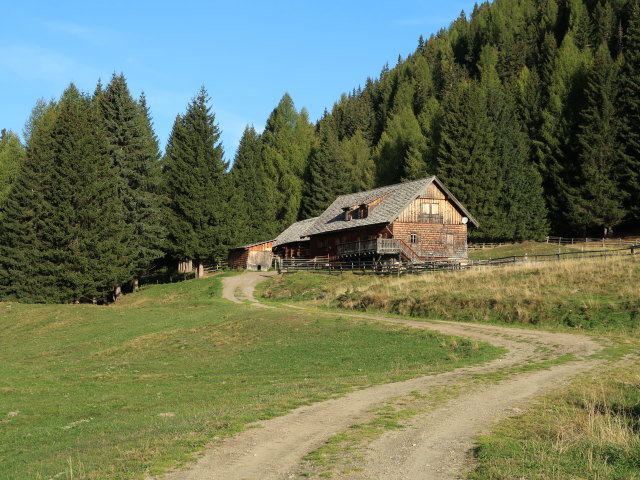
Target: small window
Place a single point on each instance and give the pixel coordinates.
(413, 238)
(363, 211)
(347, 215)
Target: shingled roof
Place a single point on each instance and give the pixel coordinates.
(242, 247)
(298, 232)
(392, 200)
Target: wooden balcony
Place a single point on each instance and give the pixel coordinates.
(377, 246)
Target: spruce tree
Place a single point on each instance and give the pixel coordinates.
(595, 200)
(467, 162)
(628, 107)
(197, 186)
(37, 113)
(134, 150)
(361, 168)
(24, 214)
(327, 174)
(521, 205)
(11, 159)
(286, 145)
(248, 178)
(555, 145)
(63, 228)
(400, 152)
(522, 199)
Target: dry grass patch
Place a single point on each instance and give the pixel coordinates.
(590, 431)
(596, 294)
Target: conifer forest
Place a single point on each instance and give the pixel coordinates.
(528, 110)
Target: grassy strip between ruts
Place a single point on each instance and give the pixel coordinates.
(89, 392)
(590, 431)
(344, 451)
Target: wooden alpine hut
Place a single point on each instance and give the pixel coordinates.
(414, 221)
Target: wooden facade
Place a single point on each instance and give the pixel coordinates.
(293, 250)
(327, 244)
(257, 256)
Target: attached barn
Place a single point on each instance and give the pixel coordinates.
(256, 256)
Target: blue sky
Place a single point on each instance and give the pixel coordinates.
(247, 54)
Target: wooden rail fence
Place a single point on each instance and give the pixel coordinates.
(399, 268)
(604, 241)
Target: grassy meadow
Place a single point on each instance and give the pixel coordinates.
(590, 430)
(118, 392)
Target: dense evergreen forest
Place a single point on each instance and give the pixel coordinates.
(528, 110)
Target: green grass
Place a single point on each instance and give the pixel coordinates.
(89, 392)
(590, 431)
(519, 249)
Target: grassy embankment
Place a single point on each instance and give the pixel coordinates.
(599, 295)
(90, 392)
(590, 431)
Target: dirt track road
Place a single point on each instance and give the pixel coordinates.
(436, 444)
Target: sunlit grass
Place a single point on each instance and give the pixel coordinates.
(91, 392)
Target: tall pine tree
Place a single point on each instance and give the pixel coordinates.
(467, 162)
(328, 173)
(248, 178)
(628, 106)
(286, 145)
(63, 230)
(197, 186)
(134, 150)
(595, 199)
(11, 159)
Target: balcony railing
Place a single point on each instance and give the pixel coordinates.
(430, 218)
(384, 246)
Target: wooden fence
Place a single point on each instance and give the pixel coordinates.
(602, 242)
(399, 268)
(483, 245)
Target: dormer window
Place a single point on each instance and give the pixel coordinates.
(363, 211)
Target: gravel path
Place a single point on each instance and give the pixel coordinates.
(436, 444)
